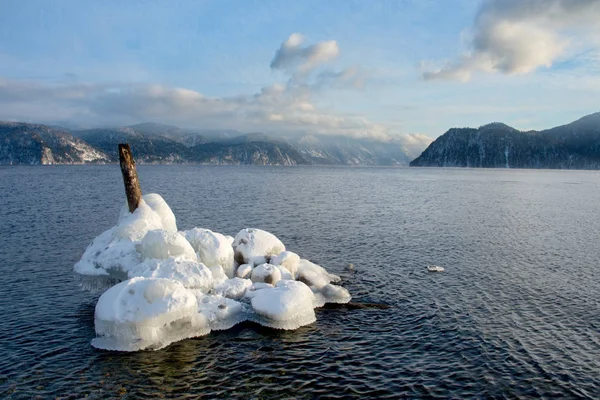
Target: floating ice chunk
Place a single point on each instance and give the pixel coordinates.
(191, 274)
(256, 246)
(143, 313)
(244, 271)
(287, 259)
(221, 312)
(288, 305)
(233, 288)
(266, 273)
(212, 248)
(162, 244)
(435, 268)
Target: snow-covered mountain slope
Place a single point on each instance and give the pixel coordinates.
(22, 143)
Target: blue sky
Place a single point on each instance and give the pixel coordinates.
(361, 68)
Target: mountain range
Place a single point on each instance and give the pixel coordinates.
(24, 143)
(496, 145)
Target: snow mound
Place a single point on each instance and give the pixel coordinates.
(255, 246)
(144, 313)
(213, 248)
(171, 285)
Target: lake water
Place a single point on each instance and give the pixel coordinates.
(516, 314)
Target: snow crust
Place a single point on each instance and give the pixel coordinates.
(171, 285)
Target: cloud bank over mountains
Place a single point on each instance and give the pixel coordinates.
(288, 107)
(520, 36)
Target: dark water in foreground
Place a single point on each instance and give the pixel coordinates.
(516, 314)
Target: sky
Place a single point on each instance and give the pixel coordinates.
(408, 69)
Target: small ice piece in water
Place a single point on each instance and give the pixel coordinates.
(146, 313)
(435, 268)
(162, 244)
(234, 288)
(287, 259)
(213, 248)
(288, 305)
(255, 246)
(267, 273)
(191, 274)
(244, 271)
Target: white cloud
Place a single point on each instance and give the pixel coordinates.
(292, 57)
(520, 36)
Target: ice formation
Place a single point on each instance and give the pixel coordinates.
(170, 285)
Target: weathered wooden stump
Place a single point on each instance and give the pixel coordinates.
(130, 177)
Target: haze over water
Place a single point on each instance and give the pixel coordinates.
(515, 314)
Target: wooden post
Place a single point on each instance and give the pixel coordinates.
(130, 177)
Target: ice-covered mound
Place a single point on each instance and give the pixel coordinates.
(115, 249)
(185, 284)
(267, 273)
(162, 244)
(287, 305)
(213, 248)
(191, 274)
(255, 246)
(145, 313)
(288, 260)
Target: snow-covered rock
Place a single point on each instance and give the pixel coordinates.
(191, 274)
(256, 246)
(175, 285)
(223, 313)
(288, 305)
(244, 271)
(162, 244)
(145, 313)
(115, 249)
(213, 248)
(234, 288)
(287, 259)
(267, 273)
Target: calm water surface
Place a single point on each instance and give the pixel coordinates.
(516, 314)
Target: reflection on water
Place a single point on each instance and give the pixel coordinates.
(515, 314)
